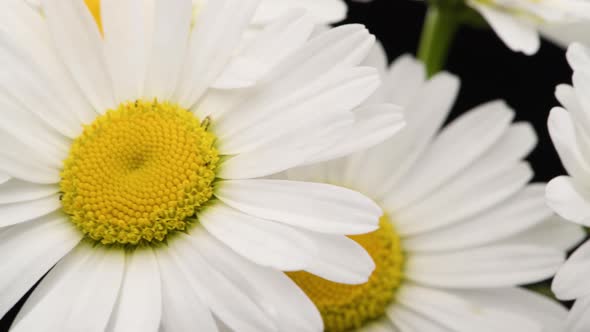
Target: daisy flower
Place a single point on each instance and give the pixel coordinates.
(460, 227)
(569, 195)
(132, 165)
(518, 22)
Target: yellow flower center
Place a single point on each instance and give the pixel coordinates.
(139, 173)
(345, 307)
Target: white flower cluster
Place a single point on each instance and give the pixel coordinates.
(236, 165)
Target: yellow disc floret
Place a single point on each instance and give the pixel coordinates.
(346, 307)
(138, 173)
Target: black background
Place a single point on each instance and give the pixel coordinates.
(488, 70)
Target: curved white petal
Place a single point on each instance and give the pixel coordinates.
(264, 242)
(168, 47)
(340, 260)
(139, 305)
(339, 91)
(324, 11)
(461, 315)
(373, 125)
(550, 313)
(459, 145)
(579, 317)
(14, 191)
(571, 281)
(407, 320)
(128, 33)
(79, 294)
(225, 300)
(269, 46)
(518, 35)
(563, 134)
(314, 206)
(213, 39)
(520, 212)
(274, 292)
(79, 44)
(28, 251)
(486, 267)
(569, 200)
(553, 232)
(463, 202)
(182, 309)
(15, 213)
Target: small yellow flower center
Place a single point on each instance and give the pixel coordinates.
(346, 307)
(139, 173)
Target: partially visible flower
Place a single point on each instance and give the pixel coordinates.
(569, 196)
(518, 22)
(461, 226)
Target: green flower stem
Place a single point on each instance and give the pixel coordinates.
(440, 26)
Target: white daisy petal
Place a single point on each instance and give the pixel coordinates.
(21, 162)
(47, 144)
(578, 57)
(373, 125)
(579, 317)
(407, 77)
(571, 280)
(182, 309)
(458, 146)
(138, 306)
(486, 267)
(271, 45)
(548, 312)
(26, 27)
(128, 28)
(521, 212)
(517, 35)
(24, 264)
(15, 213)
(215, 35)
(338, 91)
(553, 232)
(14, 191)
(168, 47)
(225, 299)
(340, 260)
(79, 43)
(264, 242)
(569, 200)
(568, 97)
(269, 286)
(27, 84)
(380, 325)
(456, 313)
(77, 295)
(314, 206)
(563, 135)
(423, 118)
(301, 74)
(408, 320)
(462, 200)
(327, 11)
